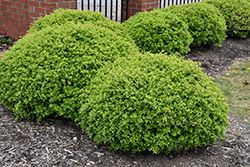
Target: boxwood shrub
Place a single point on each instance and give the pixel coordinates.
(153, 103)
(63, 16)
(205, 22)
(159, 32)
(237, 16)
(44, 72)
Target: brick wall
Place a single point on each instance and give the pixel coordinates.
(17, 15)
(135, 6)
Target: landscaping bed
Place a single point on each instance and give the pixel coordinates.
(87, 91)
(215, 61)
(59, 142)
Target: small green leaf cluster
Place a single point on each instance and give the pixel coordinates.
(6, 40)
(44, 72)
(236, 14)
(63, 16)
(159, 32)
(153, 103)
(205, 22)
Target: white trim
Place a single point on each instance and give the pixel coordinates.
(79, 4)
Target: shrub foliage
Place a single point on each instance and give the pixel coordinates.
(63, 16)
(205, 22)
(237, 16)
(153, 103)
(159, 32)
(44, 72)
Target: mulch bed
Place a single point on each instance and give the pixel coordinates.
(59, 142)
(215, 61)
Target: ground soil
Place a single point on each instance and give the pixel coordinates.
(215, 61)
(59, 142)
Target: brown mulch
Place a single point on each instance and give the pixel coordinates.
(215, 61)
(58, 142)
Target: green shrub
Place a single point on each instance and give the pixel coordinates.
(44, 73)
(153, 103)
(205, 22)
(6, 40)
(237, 16)
(62, 16)
(159, 32)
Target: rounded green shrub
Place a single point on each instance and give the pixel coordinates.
(236, 14)
(63, 16)
(159, 32)
(44, 72)
(153, 103)
(205, 22)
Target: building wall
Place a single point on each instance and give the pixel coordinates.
(135, 6)
(17, 15)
